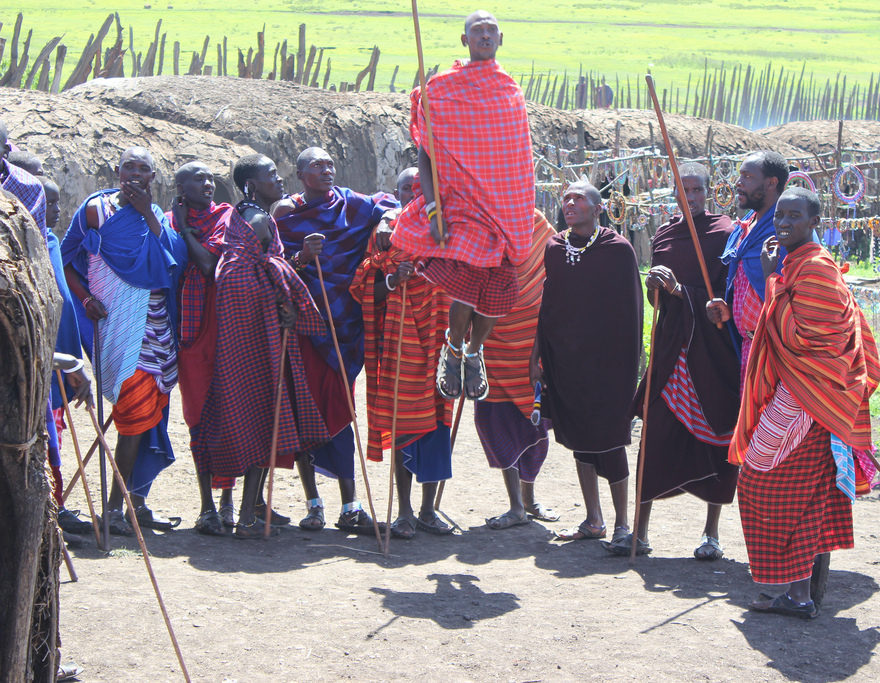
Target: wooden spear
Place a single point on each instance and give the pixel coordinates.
(429, 133)
(273, 451)
(679, 187)
(394, 418)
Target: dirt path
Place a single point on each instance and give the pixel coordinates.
(486, 605)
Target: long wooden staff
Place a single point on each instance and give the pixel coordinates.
(451, 447)
(429, 132)
(99, 398)
(640, 467)
(679, 187)
(140, 537)
(79, 462)
(68, 562)
(357, 435)
(394, 418)
(273, 452)
(86, 459)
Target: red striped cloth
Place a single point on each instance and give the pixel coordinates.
(483, 157)
(420, 408)
(813, 337)
(140, 404)
(509, 347)
(781, 428)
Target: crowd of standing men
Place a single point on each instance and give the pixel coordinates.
(762, 391)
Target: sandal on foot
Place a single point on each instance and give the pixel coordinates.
(584, 532)
(68, 672)
(314, 520)
(621, 544)
(210, 524)
(118, 524)
(449, 371)
(277, 518)
(709, 549)
(505, 521)
(435, 526)
(403, 527)
(252, 531)
(148, 520)
(356, 522)
(227, 514)
(476, 379)
(542, 513)
(786, 606)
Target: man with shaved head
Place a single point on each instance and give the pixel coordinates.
(587, 350)
(122, 263)
(485, 200)
(332, 224)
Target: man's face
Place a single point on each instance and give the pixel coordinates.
(482, 37)
(53, 210)
(198, 188)
(267, 184)
(752, 186)
(135, 168)
(318, 174)
(579, 210)
(793, 223)
(695, 195)
(405, 189)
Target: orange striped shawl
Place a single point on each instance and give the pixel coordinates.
(813, 337)
(508, 348)
(419, 406)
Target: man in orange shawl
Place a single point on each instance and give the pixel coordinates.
(803, 437)
(423, 417)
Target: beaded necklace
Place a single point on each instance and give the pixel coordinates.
(249, 204)
(572, 253)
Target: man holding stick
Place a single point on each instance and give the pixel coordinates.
(483, 162)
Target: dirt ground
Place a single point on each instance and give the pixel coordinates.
(510, 605)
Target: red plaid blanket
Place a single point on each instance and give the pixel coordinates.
(483, 159)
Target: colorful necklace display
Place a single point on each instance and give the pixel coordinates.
(572, 253)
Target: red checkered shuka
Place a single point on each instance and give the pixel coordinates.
(483, 158)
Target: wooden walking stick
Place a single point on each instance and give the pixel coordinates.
(79, 461)
(140, 537)
(86, 459)
(394, 419)
(640, 466)
(451, 447)
(68, 562)
(99, 398)
(429, 133)
(273, 452)
(348, 397)
(679, 188)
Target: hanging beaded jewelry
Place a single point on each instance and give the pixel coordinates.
(572, 253)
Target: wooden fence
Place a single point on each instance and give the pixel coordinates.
(745, 95)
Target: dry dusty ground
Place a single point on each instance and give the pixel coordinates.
(507, 605)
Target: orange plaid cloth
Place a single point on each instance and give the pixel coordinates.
(140, 404)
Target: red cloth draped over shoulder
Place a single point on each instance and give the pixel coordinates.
(508, 349)
(812, 337)
(237, 420)
(419, 406)
(197, 331)
(483, 153)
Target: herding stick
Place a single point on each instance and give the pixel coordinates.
(394, 419)
(99, 396)
(273, 452)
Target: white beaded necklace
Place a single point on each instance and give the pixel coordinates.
(572, 253)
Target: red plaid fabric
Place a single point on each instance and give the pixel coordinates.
(492, 292)
(746, 311)
(794, 512)
(483, 153)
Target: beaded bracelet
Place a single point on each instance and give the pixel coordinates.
(800, 175)
(388, 283)
(89, 299)
(616, 208)
(860, 181)
(75, 368)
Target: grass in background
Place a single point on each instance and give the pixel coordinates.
(670, 38)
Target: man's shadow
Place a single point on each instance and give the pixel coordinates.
(457, 602)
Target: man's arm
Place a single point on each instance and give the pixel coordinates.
(205, 261)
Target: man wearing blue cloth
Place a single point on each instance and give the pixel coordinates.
(121, 262)
(762, 178)
(344, 220)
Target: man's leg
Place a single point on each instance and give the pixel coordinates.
(247, 516)
(429, 495)
(460, 316)
(125, 456)
(713, 515)
(589, 482)
(205, 493)
(619, 497)
(314, 519)
(481, 328)
(404, 488)
(516, 514)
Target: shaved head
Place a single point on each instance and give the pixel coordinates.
(185, 171)
(479, 15)
(139, 153)
(308, 155)
(585, 188)
(407, 175)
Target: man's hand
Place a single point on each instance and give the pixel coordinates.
(717, 311)
(661, 277)
(82, 387)
(286, 315)
(178, 212)
(383, 235)
(403, 273)
(769, 256)
(141, 198)
(312, 247)
(536, 372)
(94, 309)
(435, 230)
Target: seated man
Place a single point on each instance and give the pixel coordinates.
(258, 294)
(483, 159)
(423, 418)
(804, 429)
(122, 261)
(344, 220)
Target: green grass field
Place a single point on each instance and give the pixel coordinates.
(623, 38)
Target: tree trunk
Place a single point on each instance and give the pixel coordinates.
(29, 311)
